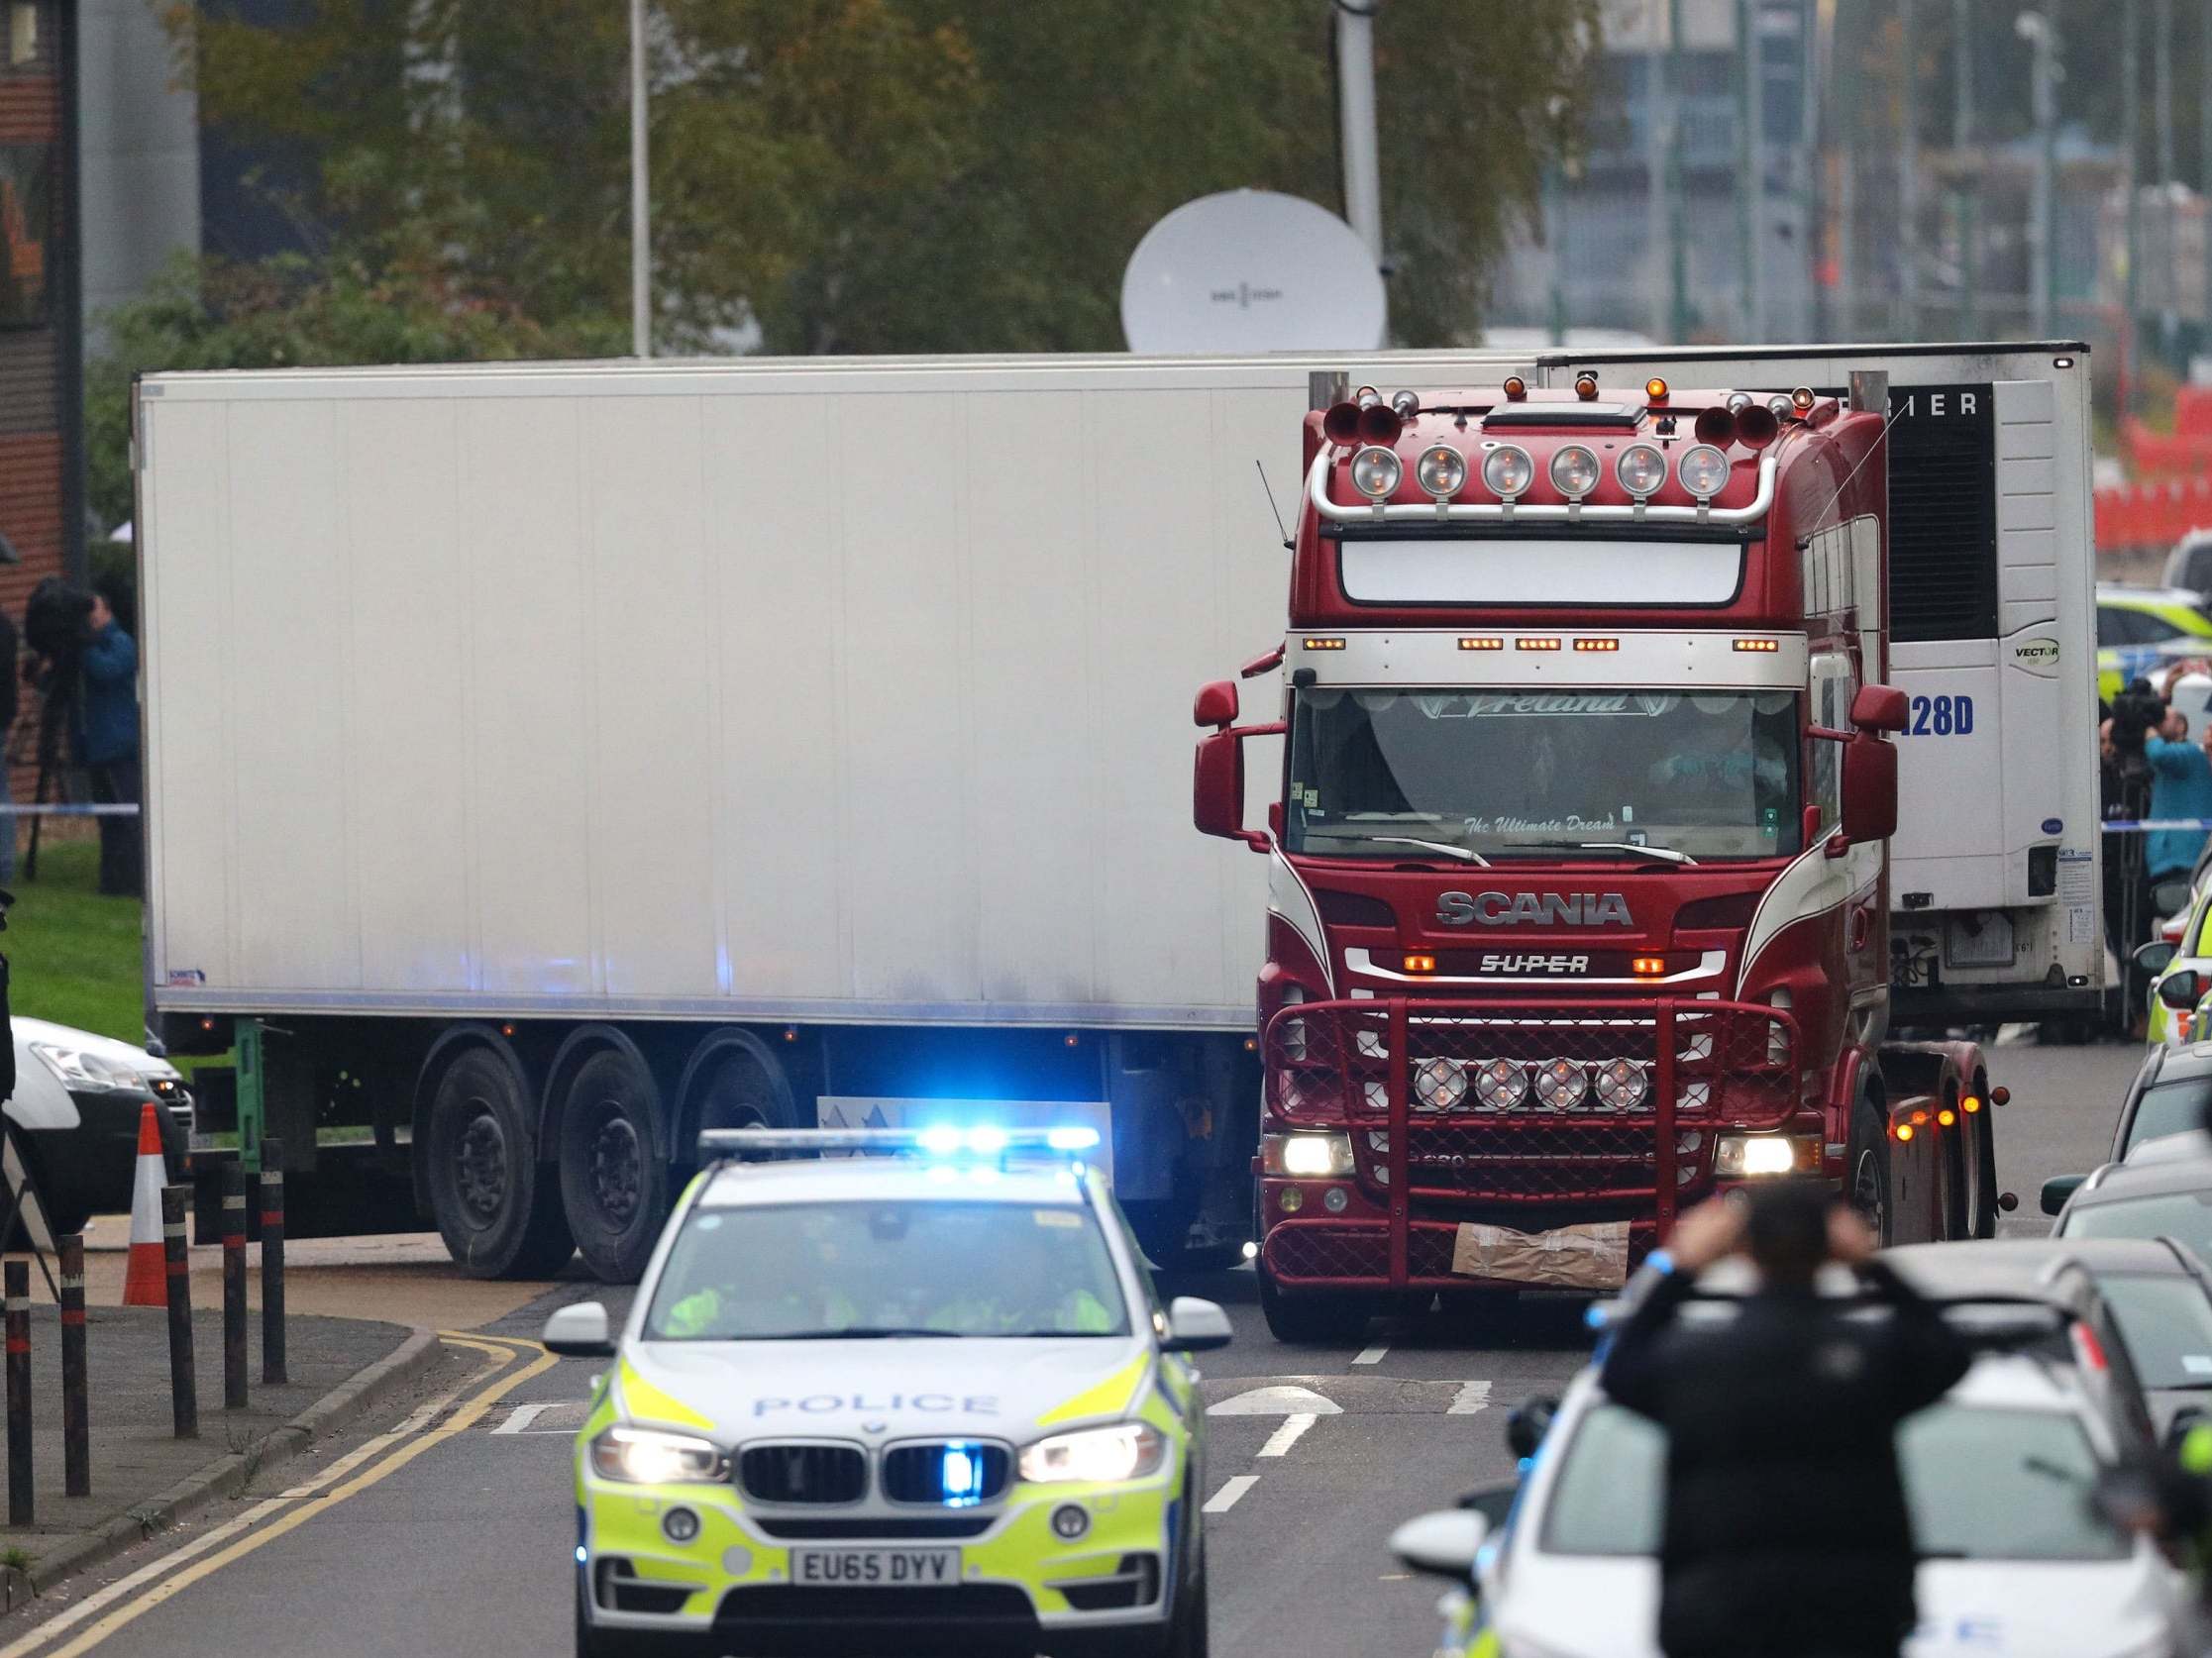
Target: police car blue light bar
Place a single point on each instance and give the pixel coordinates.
(938, 1140)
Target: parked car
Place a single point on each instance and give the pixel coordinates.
(2189, 565)
(76, 1116)
(2152, 1297)
(1997, 1476)
(2171, 1094)
(2179, 971)
(2154, 1197)
(2133, 621)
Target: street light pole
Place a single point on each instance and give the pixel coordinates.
(641, 195)
(1908, 179)
(1355, 115)
(2040, 27)
(1962, 135)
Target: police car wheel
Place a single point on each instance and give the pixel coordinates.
(614, 1171)
(1313, 1317)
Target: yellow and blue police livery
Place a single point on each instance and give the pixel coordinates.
(919, 1395)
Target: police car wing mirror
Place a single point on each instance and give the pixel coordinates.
(1444, 1544)
(2153, 958)
(2182, 990)
(1879, 708)
(2057, 1188)
(1529, 1421)
(579, 1332)
(1493, 1502)
(1195, 1327)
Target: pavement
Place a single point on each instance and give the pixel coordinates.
(453, 1531)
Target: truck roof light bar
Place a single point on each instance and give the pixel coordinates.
(942, 1140)
(1492, 512)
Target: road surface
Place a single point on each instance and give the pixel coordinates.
(452, 1534)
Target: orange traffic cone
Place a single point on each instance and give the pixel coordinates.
(147, 1283)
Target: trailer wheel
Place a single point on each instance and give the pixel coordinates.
(1983, 1155)
(1312, 1318)
(1867, 1172)
(498, 1220)
(614, 1171)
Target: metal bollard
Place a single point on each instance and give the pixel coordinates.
(76, 1386)
(184, 1399)
(272, 1261)
(17, 1283)
(234, 1286)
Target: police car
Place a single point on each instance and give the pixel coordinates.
(915, 1395)
(1999, 1475)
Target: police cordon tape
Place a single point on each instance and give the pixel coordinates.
(126, 809)
(2151, 825)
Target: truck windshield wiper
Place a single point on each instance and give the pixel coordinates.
(1465, 854)
(1662, 854)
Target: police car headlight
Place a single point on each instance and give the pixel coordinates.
(649, 1457)
(1095, 1456)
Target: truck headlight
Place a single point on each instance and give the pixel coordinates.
(649, 1457)
(1307, 1155)
(1749, 1156)
(76, 1069)
(1095, 1456)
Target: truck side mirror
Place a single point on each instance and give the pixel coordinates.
(1216, 704)
(1879, 708)
(2151, 959)
(1217, 790)
(2182, 990)
(1869, 787)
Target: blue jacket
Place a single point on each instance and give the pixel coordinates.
(108, 730)
(2180, 786)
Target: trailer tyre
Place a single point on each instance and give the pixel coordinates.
(498, 1214)
(1866, 1172)
(614, 1171)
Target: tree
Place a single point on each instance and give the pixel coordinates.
(890, 174)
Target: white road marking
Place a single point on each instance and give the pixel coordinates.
(1235, 1486)
(1283, 1438)
(1471, 1398)
(1276, 1401)
(1370, 1356)
(523, 1415)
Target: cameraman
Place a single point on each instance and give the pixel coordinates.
(107, 742)
(2180, 787)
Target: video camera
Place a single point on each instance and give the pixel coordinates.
(57, 621)
(2137, 711)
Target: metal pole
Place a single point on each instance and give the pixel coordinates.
(16, 1280)
(2043, 29)
(1655, 157)
(184, 1399)
(1961, 139)
(1908, 179)
(2162, 59)
(1355, 116)
(76, 1425)
(1812, 68)
(1678, 251)
(2131, 147)
(641, 194)
(273, 1263)
(234, 1286)
(1751, 183)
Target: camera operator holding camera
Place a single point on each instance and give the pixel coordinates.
(2124, 779)
(107, 742)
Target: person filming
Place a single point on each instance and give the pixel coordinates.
(1786, 1533)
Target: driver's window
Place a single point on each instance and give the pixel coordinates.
(1832, 689)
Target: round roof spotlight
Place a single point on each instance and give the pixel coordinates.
(1704, 470)
(1801, 398)
(1641, 469)
(1405, 404)
(1442, 470)
(1586, 387)
(1376, 471)
(1516, 388)
(1508, 471)
(1575, 472)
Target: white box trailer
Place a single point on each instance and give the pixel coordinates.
(1994, 871)
(545, 762)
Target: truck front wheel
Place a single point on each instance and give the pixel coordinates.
(496, 1215)
(614, 1171)
(1866, 1172)
(1312, 1318)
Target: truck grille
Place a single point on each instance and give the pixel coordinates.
(803, 1473)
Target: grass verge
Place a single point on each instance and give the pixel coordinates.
(74, 956)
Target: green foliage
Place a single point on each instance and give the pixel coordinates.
(73, 955)
(889, 175)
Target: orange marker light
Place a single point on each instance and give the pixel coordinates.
(2000, 1097)
(1536, 644)
(1903, 1132)
(1251, 1044)
(1070, 1040)
(1586, 387)
(1325, 644)
(1656, 389)
(1970, 1104)
(1946, 1117)
(1420, 964)
(1647, 967)
(1920, 1119)
(1482, 642)
(1765, 645)
(1597, 643)
(1516, 387)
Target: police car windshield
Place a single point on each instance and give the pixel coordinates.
(2169, 1108)
(1981, 1484)
(2185, 1215)
(856, 1271)
(1506, 772)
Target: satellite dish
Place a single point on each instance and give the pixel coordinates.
(1252, 270)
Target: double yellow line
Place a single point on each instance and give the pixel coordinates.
(100, 1614)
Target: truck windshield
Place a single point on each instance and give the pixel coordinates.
(1502, 772)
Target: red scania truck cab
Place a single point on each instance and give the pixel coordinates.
(1577, 906)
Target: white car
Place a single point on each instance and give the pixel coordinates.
(893, 1403)
(74, 1114)
(1998, 1475)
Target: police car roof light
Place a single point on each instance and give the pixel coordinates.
(940, 1140)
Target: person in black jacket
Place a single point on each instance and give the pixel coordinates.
(1786, 1533)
